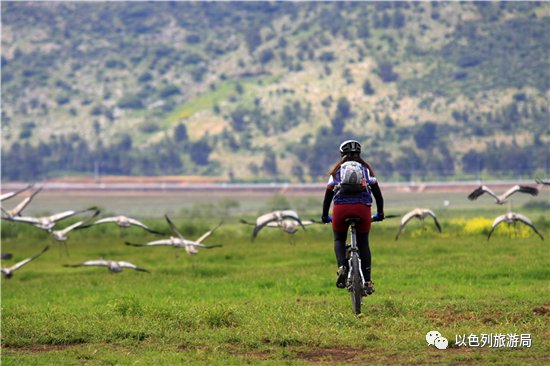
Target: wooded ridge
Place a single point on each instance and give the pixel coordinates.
(265, 91)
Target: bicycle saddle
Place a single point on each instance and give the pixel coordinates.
(349, 220)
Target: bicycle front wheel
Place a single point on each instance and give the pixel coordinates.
(356, 289)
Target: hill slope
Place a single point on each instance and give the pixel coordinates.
(268, 90)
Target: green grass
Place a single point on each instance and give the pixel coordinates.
(202, 102)
(271, 302)
(208, 100)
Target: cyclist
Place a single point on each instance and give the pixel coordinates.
(352, 203)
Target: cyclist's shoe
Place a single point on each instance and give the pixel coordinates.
(369, 288)
(342, 276)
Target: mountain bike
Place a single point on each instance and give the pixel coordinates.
(355, 282)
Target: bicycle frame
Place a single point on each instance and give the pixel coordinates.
(355, 281)
(354, 251)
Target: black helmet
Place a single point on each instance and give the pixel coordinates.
(350, 148)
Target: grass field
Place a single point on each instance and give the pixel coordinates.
(271, 302)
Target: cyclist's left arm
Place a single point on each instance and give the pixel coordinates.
(329, 195)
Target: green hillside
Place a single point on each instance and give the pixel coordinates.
(264, 91)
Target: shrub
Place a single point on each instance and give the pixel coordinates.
(327, 56)
(193, 38)
(386, 73)
(130, 102)
(169, 91)
(367, 88)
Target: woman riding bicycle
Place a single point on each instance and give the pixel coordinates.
(352, 185)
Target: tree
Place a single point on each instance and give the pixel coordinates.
(343, 108)
(472, 162)
(169, 91)
(297, 171)
(338, 125)
(327, 56)
(385, 71)
(363, 30)
(266, 56)
(367, 88)
(253, 39)
(425, 137)
(200, 151)
(180, 133)
(270, 163)
(239, 118)
(398, 19)
(130, 102)
(408, 163)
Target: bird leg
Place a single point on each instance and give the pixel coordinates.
(66, 248)
(291, 240)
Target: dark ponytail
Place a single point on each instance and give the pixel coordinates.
(345, 158)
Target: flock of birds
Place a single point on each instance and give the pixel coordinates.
(286, 220)
(510, 217)
(48, 223)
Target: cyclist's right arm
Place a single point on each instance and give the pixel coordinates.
(329, 195)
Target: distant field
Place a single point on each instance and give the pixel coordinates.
(273, 301)
(154, 204)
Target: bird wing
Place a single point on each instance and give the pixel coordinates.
(479, 191)
(264, 223)
(106, 220)
(500, 219)
(523, 189)
(432, 214)
(25, 219)
(309, 222)
(273, 224)
(5, 214)
(5, 196)
(246, 222)
(408, 216)
(166, 242)
(17, 209)
(210, 246)
(293, 217)
(66, 214)
(275, 215)
(96, 262)
(265, 218)
(173, 227)
(142, 225)
(25, 261)
(189, 243)
(78, 224)
(405, 219)
(288, 213)
(208, 233)
(526, 221)
(132, 266)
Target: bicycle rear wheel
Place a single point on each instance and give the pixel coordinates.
(356, 289)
